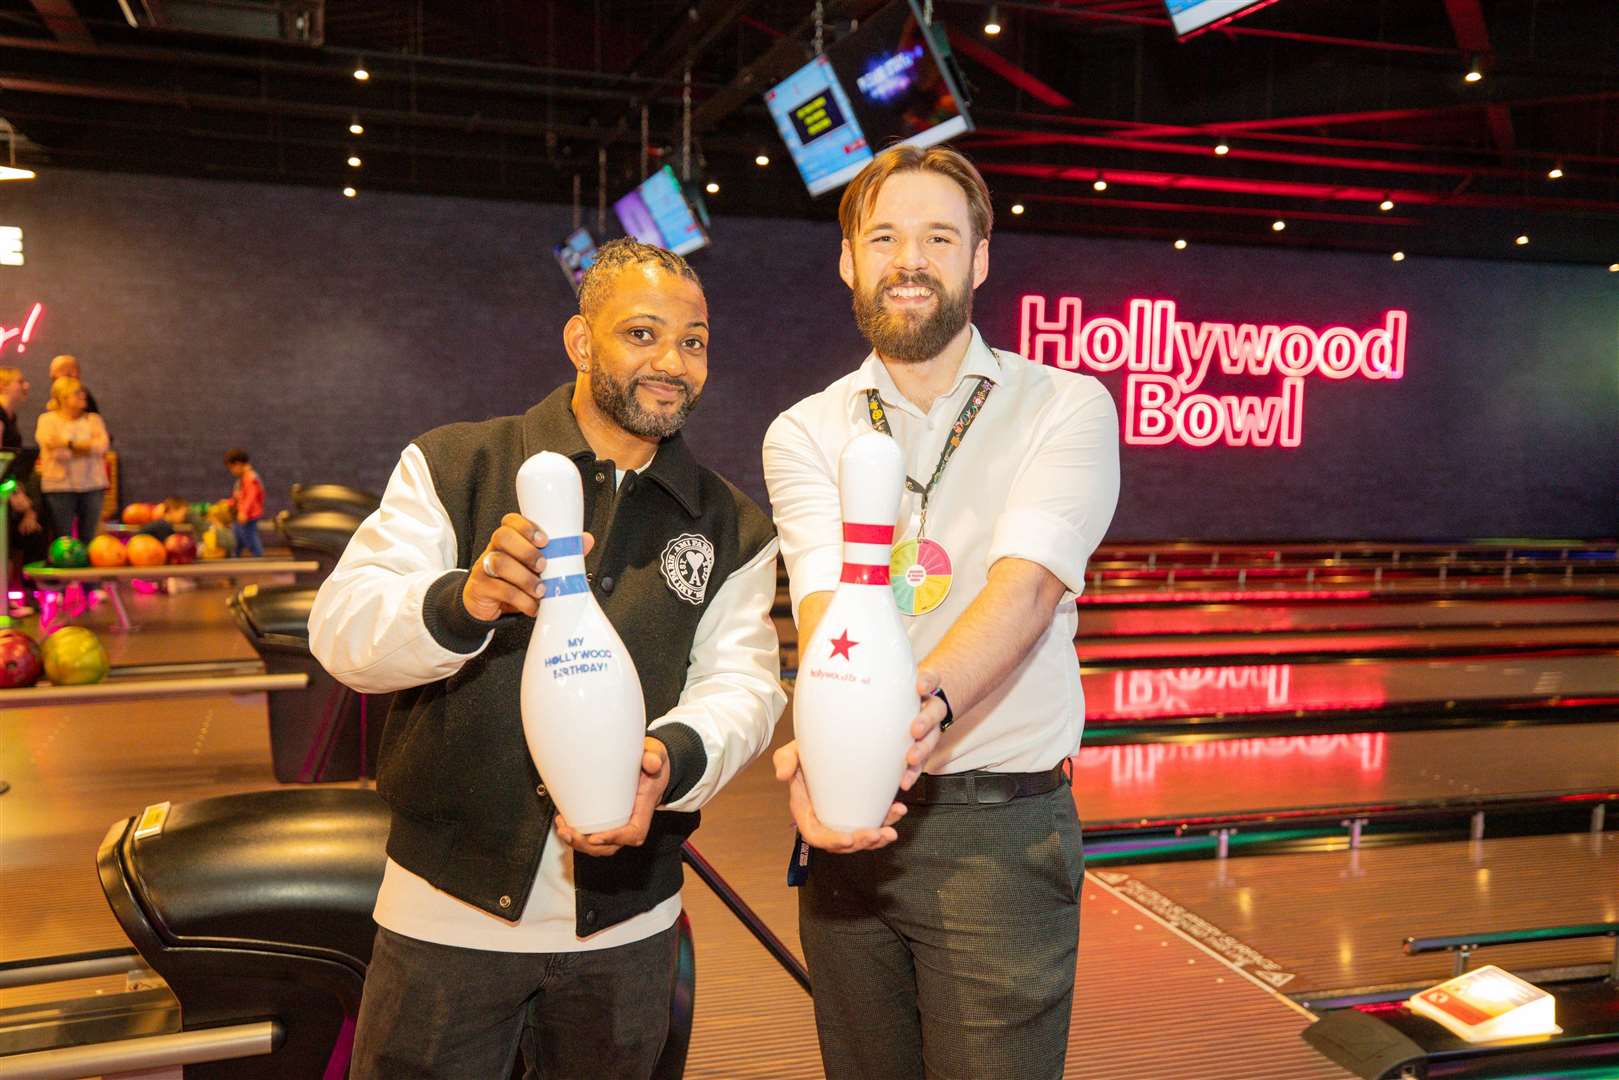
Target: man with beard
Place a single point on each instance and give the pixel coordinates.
(500, 927)
(943, 943)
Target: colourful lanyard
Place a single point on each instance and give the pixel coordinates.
(969, 413)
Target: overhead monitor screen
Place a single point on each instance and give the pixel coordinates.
(899, 77)
(576, 254)
(657, 212)
(1192, 16)
(816, 121)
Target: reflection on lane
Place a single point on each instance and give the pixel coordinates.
(1138, 764)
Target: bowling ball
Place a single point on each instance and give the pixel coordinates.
(67, 553)
(20, 662)
(74, 656)
(211, 547)
(146, 551)
(199, 509)
(137, 514)
(107, 550)
(181, 548)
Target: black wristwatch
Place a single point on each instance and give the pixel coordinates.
(949, 713)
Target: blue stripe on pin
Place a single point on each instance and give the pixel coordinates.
(564, 586)
(560, 547)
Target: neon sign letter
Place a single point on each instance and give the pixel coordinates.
(1166, 361)
(21, 333)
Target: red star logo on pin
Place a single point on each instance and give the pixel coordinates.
(841, 646)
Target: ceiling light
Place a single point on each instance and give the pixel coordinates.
(1278, 225)
(349, 193)
(1222, 149)
(992, 25)
(354, 161)
(1613, 268)
(1474, 72)
(1398, 256)
(10, 171)
(1017, 208)
(1386, 205)
(1556, 172)
(359, 71)
(762, 160)
(1523, 238)
(356, 128)
(712, 187)
(1180, 245)
(1100, 185)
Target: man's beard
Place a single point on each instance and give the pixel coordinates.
(617, 400)
(901, 337)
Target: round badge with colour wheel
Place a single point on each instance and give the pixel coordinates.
(919, 574)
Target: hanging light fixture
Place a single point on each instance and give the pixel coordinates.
(10, 171)
(992, 24)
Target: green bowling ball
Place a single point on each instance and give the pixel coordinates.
(68, 553)
(74, 656)
(200, 509)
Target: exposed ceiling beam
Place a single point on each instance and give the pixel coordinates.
(1473, 36)
(62, 20)
(968, 45)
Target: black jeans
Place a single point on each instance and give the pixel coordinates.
(949, 955)
(75, 513)
(435, 1012)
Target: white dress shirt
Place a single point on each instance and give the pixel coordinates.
(366, 628)
(1036, 477)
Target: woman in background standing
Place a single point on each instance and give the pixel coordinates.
(72, 461)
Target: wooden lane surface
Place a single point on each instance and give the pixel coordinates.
(185, 627)
(160, 689)
(220, 568)
(1168, 781)
(1137, 980)
(1336, 920)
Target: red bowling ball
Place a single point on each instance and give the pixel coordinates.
(20, 662)
(181, 548)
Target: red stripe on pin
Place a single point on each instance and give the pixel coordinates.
(864, 574)
(855, 533)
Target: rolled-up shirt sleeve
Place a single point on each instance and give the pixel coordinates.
(1063, 496)
(733, 695)
(803, 486)
(390, 616)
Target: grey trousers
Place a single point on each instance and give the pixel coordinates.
(435, 1012)
(949, 955)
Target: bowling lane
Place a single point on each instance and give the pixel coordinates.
(1335, 921)
(1453, 641)
(1142, 784)
(1315, 587)
(1414, 692)
(1100, 622)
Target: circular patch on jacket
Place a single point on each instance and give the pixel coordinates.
(687, 562)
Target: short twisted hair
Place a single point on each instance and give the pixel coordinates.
(616, 255)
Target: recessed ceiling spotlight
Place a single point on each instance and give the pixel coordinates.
(354, 161)
(762, 160)
(1180, 245)
(356, 128)
(1278, 225)
(1523, 238)
(1017, 208)
(1100, 185)
(349, 193)
(1613, 268)
(1398, 256)
(1221, 149)
(712, 187)
(1386, 205)
(1475, 73)
(1556, 172)
(992, 24)
(360, 72)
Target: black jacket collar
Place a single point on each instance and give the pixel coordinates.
(550, 425)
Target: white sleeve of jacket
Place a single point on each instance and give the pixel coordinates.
(370, 624)
(733, 695)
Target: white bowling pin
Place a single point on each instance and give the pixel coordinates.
(583, 713)
(856, 693)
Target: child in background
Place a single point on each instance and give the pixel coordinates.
(219, 538)
(176, 512)
(248, 498)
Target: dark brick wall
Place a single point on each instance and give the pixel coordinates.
(323, 333)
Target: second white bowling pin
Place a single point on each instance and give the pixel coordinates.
(583, 713)
(856, 693)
